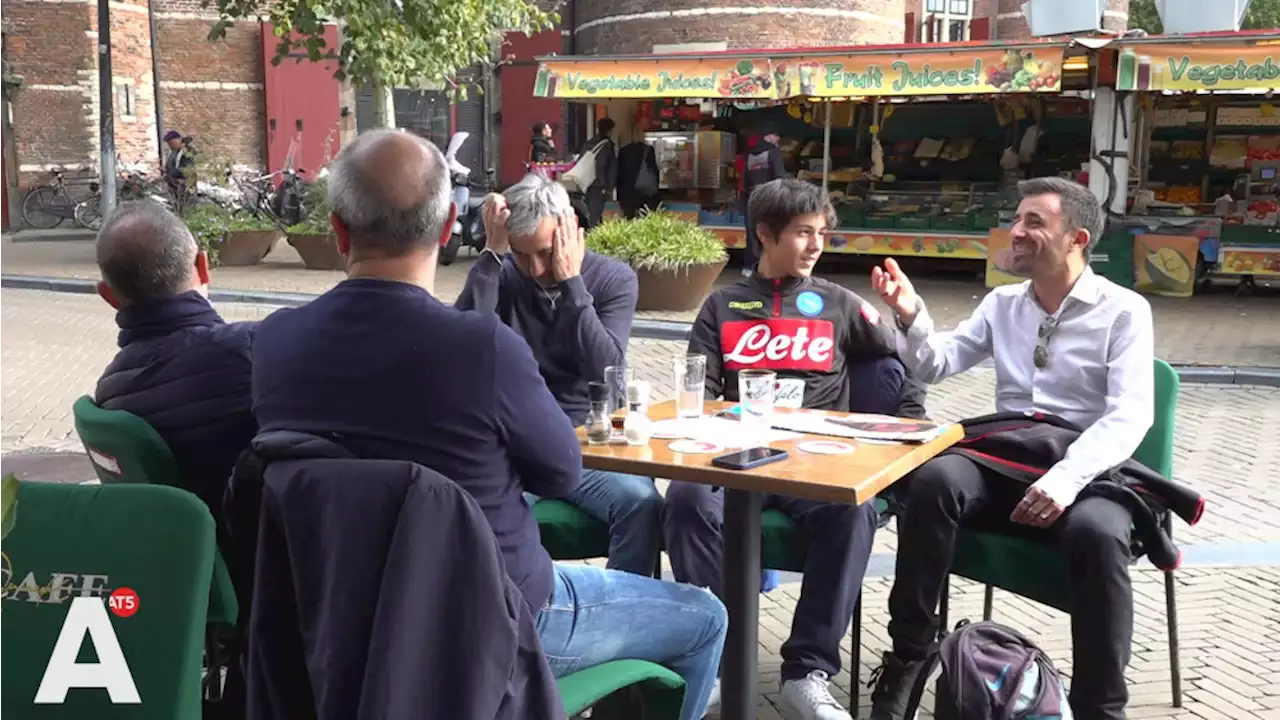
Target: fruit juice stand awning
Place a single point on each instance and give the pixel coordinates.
(1205, 62)
(822, 73)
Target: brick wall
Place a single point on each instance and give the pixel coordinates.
(607, 27)
(135, 133)
(54, 120)
(212, 91)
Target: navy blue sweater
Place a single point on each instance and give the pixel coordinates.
(387, 371)
(575, 330)
(186, 372)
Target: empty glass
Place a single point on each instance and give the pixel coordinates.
(617, 377)
(691, 380)
(755, 395)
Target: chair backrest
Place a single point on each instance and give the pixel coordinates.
(123, 447)
(74, 540)
(1156, 450)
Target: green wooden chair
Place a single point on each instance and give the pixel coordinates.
(568, 533)
(157, 541)
(125, 449)
(655, 690)
(1039, 571)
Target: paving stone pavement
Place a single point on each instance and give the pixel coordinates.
(55, 345)
(1214, 329)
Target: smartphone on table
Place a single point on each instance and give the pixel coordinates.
(750, 458)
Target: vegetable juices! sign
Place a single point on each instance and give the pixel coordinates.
(1197, 67)
(986, 71)
(672, 78)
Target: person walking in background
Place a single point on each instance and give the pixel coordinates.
(542, 148)
(762, 163)
(637, 179)
(606, 169)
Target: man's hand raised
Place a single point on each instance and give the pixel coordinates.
(896, 291)
(569, 248)
(495, 214)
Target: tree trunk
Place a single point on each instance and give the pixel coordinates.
(384, 106)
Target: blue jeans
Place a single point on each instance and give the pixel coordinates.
(632, 508)
(596, 615)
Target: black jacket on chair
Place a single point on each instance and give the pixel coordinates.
(185, 371)
(1024, 446)
(380, 592)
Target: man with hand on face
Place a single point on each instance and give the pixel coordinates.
(574, 308)
(1066, 343)
(831, 351)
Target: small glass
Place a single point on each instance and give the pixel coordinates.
(598, 425)
(755, 395)
(691, 380)
(617, 377)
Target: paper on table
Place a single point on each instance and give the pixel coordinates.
(815, 424)
(729, 433)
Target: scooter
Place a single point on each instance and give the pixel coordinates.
(468, 228)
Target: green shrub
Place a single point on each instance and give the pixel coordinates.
(658, 240)
(316, 205)
(210, 225)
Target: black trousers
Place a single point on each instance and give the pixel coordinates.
(752, 251)
(950, 491)
(595, 204)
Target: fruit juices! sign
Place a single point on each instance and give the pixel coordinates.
(1197, 67)
(749, 79)
(1015, 70)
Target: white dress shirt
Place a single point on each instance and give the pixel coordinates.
(1100, 372)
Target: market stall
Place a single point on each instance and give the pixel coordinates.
(1207, 190)
(919, 147)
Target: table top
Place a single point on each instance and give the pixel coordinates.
(849, 478)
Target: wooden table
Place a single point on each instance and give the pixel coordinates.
(852, 478)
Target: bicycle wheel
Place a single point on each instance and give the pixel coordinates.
(89, 212)
(39, 208)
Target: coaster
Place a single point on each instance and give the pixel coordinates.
(825, 447)
(695, 447)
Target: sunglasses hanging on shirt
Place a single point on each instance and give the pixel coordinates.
(1041, 355)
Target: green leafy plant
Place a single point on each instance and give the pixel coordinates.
(249, 221)
(9, 488)
(658, 240)
(209, 224)
(404, 43)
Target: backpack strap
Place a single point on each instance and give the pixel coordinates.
(922, 681)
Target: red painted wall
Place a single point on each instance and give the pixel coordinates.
(301, 90)
(520, 109)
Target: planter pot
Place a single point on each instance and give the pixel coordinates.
(677, 290)
(247, 247)
(319, 252)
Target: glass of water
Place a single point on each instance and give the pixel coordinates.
(691, 380)
(755, 395)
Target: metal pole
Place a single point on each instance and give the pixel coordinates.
(155, 80)
(106, 113)
(826, 151)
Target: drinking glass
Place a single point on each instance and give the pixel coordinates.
(691, 380)
(755, 395)
(617, 377)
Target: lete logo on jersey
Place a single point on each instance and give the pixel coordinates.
(778, 344)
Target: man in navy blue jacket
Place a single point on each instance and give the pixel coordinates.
(574, 308)
(385, 370)
(180, 367)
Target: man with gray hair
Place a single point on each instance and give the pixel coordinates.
(1067, 343)
(383, 369)
(180, 367)
(574, 308)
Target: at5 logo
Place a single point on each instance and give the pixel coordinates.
(88, 616)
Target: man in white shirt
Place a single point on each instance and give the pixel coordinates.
(1066, 342)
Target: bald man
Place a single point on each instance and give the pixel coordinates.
(181, 367)
(384, 370)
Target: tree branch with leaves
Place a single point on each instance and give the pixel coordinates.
(397, 43)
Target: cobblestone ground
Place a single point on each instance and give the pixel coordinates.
(1214, 329)
(54, 346)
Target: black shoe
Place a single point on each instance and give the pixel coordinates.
(893, 682)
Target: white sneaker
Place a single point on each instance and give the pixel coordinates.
(810, 698)
(713, 701)
(746, 272)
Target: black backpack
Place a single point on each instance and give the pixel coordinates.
(991, 672)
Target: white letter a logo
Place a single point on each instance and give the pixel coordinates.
(87, 615)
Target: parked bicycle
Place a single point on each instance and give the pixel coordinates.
(47, 206)
(284, 205)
